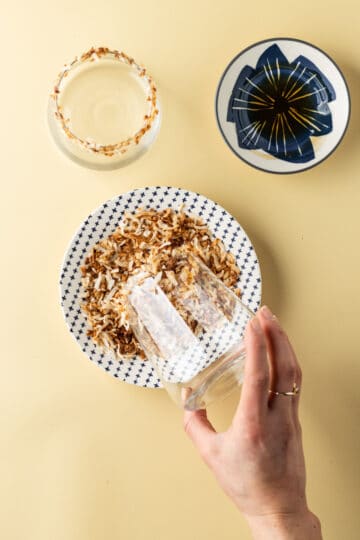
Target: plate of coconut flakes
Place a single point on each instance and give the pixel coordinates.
(145, 229)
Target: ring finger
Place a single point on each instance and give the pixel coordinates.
(284, 367)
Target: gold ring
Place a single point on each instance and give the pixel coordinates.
(295, 390)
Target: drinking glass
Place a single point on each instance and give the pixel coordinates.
(104, 110)
(192, 334)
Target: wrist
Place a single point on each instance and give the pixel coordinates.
(296, 526)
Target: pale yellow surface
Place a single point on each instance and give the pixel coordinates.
(82, 455)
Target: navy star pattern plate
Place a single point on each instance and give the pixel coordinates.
(103, 222)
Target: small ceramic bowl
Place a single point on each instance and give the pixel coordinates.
(282, 105)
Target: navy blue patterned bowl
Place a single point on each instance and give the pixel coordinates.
(282, 105)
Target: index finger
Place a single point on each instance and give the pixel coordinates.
(255, 389)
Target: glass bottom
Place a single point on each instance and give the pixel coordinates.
(214, 383)
(96, 161)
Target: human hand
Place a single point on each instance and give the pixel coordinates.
(259, 460)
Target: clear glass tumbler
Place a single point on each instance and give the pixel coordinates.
(191, 333)
(104, 110)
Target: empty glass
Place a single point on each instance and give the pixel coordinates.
(191, 333)
(104, 110)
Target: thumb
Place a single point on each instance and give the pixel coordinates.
(201, 432)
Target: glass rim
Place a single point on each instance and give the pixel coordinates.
(120, 147)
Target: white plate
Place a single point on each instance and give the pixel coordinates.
(282, 105)
(103, 222)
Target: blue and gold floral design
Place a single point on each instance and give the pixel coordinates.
(278, 106)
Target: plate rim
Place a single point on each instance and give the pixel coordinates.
(235, 58)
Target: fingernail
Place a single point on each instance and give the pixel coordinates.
(267, 313)
(255, 325)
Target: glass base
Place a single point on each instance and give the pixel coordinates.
(214, 383)
(98, 162)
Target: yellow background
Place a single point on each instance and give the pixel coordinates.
(84, 456)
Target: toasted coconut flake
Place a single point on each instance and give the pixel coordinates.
(158, 277)
(98, 281)
(171, 277)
